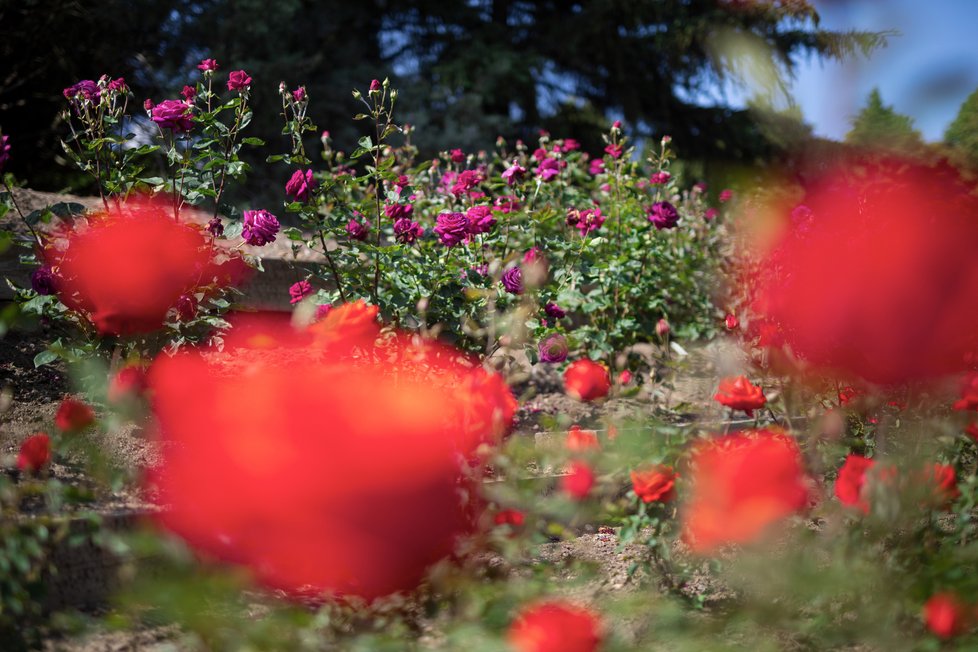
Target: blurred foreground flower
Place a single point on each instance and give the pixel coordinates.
(35, 453)
(73, 416)
(586, 380)
(128, 267)
(741, 484)
(555, 626)
(341, 457)
(881, 282)
(946, 615)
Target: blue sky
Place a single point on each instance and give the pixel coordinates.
(925, 73)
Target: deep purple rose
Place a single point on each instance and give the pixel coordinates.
(554, 311)
(300, 185)
(513, 280)
(514, 174)
(481, 219)
(260, 227)
(86, 89)
(407, 231)
(186, 307)
(238, 81)
(357, 230)
(553, 348)
(118, 85)
(215, 227)
(173, 114)
(43, 281)
(374, 85)
(660, 177)
(451, 228)
(585, 221)
(663, 215)
(4, 150)
(299, 94)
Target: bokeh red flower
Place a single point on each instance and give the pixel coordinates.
(73, 415)
(740, 485)
(946, 615)
(880, 282)
(127, 267)
(555, 626)
(850, 485)
(35, 453)
(587, 380)
(578, 481)
(342, 459)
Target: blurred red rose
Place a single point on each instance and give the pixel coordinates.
(851, 482)
(741, 484)
(879, 282)
(127, 267)
(581, 440)
(739, 394)
(339, 468)
(73, 416)
(946, 615)
(512, 517)
(969, 394)
(35, 453)
(579, 480)
(586, 380)
(655, 484)
(127, 384)
(555, 626)
(945, 483)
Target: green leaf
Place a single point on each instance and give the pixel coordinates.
(44, 357)
(251, 140)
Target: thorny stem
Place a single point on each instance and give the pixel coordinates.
(227, 152)
(332, 267)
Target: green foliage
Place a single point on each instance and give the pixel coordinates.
(879, 127)
(962, 133)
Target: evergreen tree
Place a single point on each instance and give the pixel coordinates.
(962, 133)
(879, 126)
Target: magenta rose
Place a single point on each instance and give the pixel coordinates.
(260, 227)
(174, 115)
(300, 185)
(238, 81)
(663, 215)
(513, 280)
(407, 231)
(481, 219)
(451, 228)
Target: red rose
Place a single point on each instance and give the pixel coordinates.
(366, 435)
(73, 416)
(656, 484)
(586, 380)
(897, 303)
(512, 517)
(555, 626)
(731, 322)
(945, 483)
(581, 440)
(741, 484)
(35, 453)
(945, 614)
(579, 480)
(739, 394)
(851, 482)
(969, 394)
(129, 266)
(128, 383)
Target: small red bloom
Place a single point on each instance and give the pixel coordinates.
(35, 453)
(741, 484)
(847, 395)
(945, 614)
(655, 484)
(555, 626)
(625, 377)
(945, 483)
(739, 394)
(128, 383)
(731, 322)
(581, 440)
(586, 380)
(969, 394)
(512, 517)
(579, 481)
(73, 416)
(851, 482)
